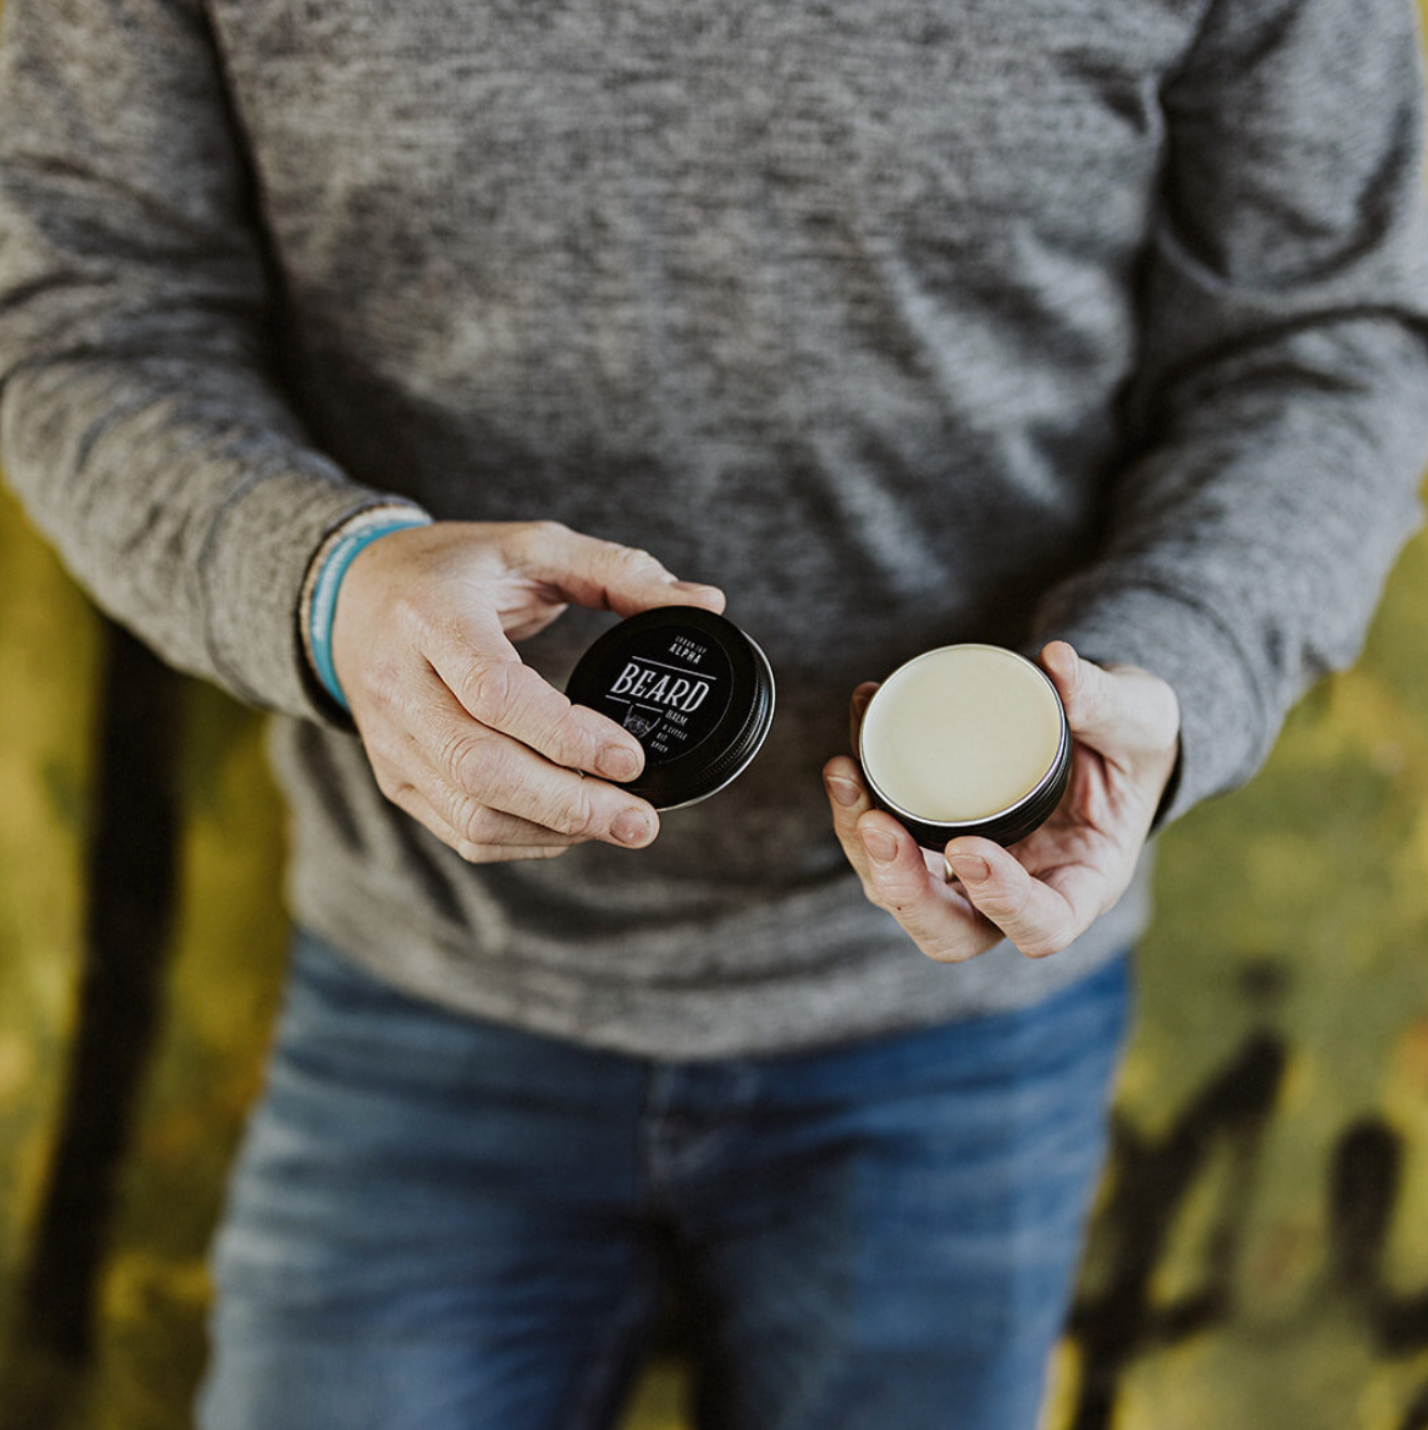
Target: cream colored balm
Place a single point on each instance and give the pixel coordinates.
(966, 739)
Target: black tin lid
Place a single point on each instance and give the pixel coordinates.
(691, 687)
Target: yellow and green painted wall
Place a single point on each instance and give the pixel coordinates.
(1259, 1259)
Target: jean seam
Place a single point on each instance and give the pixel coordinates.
(605, 1364)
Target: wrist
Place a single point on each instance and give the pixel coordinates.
(329, 565)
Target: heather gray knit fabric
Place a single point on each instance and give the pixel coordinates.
(905, 323)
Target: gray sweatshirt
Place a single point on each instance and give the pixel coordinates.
(905, 323)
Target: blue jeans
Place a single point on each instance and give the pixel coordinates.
(441, 1224)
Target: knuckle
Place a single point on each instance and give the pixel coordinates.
(469, 762)
(892, 895)
(482, 825)
(531, 537)
(900, 880)
(1041, 945)
(946, 953)
(487, 692)
(409, 613)
(1006, 907)
(1041, 941)
(392, 785)
(466, 818)
(388, 749)
(558, 729)
(643, 563)
(576, 816)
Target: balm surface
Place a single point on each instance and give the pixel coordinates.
(961, 733)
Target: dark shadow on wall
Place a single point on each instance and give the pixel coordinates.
(130, 882)
(1152, 1181)
(1365, 1194)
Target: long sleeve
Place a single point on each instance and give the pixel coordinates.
(1280, 410)
(139, 419)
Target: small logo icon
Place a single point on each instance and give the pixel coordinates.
(638, 723)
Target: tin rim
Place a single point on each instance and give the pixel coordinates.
(1010, 817)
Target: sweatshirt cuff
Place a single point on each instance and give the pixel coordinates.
(1224, 733)
(256, 560)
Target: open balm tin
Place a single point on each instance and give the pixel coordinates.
(966, 739)
(691, 687)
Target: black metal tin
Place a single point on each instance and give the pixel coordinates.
(692, 688)
(1004, 826)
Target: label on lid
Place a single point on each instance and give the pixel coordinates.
(669, 689)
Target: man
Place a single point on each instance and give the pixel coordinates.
(345, 346)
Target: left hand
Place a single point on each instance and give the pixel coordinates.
(1048, 889)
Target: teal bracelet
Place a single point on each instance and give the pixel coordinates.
(324, 595)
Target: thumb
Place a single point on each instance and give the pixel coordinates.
(1117, 710)
(1092, 709)
(603, 575)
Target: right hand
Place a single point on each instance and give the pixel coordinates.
(1047, 890)
(460, 733)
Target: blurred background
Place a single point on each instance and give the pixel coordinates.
(1259, 1257)
(1260, 1252)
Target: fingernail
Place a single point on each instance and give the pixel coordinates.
(880, 845)
(971, 868)
(845, 792)
(692, 586)
(618, 762)
(632, 827)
